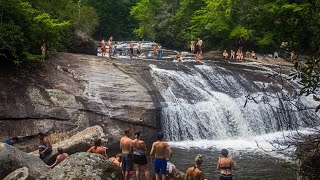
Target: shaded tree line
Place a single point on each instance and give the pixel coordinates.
(262, 24)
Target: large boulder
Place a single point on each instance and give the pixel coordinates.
(81, 141)
(84, 166)
(12, 158)
(19, 174)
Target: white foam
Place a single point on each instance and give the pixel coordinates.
(265, 144)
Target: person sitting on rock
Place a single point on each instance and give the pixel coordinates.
(117, 159)
(198, 57)
(194, 172)
(45, 148)
(62, 156)
(12, 141)
(225, 54)
(97, 148)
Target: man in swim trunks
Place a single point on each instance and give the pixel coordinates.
(194, 173)
(160, 51)
(62, 156)
(43, 51)
(110, 44)
(158, 151)
(45, 148)
(200, 45)
(139, 49)
(139, 156)
(12, 141)
(225, 165)
(131, 49)
(126, 148)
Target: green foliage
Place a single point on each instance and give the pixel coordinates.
(263, 24)
(25, 25)
(308, 75)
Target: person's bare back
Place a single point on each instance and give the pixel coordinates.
(126, 145)
(160, 149)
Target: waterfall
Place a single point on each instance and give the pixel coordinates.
(206, 102)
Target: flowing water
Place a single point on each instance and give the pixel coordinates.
(206, 108)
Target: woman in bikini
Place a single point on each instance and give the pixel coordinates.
(139, 156)
(225, 165)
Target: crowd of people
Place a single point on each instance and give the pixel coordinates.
(239, 55)
(134, 153)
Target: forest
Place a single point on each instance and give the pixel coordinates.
(263, 25)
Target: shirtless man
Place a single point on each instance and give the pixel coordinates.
(131, 49)
(139, 156)
(178, 57)
(110, 44)
(158, 151)
(43, 51)
(139, 49)
(62, 156)
(225, 165)
(200, 45)
(155, 51)
(126, 148)
(117, 159)
(97, 148)
(192, 46)
(225, 54)
(194, 173)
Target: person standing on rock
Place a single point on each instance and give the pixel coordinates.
(225, 165)
(139, 49)
(194, 173)
(192, 46)
(110, 44)
(200, 45)
(43, 51)
(126, 148)
(97, 148)
(158, 152)
(62, 156)
(139, 156)
(131, 49)
(45, 148)
(103, 48)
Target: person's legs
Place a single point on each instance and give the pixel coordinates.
(138, 171)
(158, 176)
(146, 171)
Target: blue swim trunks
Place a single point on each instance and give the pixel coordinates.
(159, 52)
(160, 166)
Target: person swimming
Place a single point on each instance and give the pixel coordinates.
(226, 165)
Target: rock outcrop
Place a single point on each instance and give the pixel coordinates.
(12, 158)
(79, 142)
(73, 92)
(84, 166)
(19, 174)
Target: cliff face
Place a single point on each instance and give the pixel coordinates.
(72, 92)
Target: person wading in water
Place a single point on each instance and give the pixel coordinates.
(139, 156)
(194, 173)
(225, 165)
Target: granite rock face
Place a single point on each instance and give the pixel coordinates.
(73, 92)
(19, 174)
(79, 142)
(84, 166)
(12, 158)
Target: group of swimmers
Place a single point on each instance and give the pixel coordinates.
(134, 152)
(238, 55)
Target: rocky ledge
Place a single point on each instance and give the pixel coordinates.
(72, 92)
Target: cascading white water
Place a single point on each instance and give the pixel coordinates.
(207, 102)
